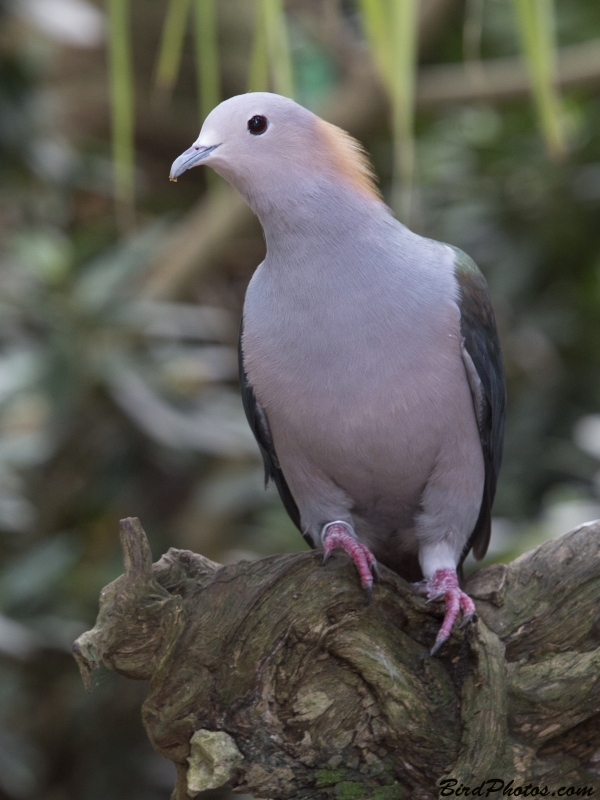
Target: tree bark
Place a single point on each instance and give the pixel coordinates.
(275, 677)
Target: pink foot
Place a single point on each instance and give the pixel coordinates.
(337, 535)
(444, 583)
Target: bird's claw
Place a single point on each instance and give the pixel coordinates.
(444, 582)
(466, 619)
(438, 643)
(434, 597)
(337, 534)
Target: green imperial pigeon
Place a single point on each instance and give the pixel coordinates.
(371, 372)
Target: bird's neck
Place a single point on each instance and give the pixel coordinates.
(316, 212)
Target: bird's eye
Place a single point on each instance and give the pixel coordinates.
(257, 125)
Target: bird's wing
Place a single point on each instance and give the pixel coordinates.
(485, 370)
(259, 424)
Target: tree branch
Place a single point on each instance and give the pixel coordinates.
(275, 677)
(503, 79)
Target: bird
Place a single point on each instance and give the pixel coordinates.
(370, 365)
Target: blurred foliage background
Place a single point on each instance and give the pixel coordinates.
(120, 297)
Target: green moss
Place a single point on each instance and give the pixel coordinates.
(346, 789)
(392, 792)
(350, 790)
(331, 777)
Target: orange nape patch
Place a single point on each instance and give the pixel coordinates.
(348, 158)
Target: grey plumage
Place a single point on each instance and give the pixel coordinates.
(370, 367)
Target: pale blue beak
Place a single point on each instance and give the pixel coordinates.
(193, 155)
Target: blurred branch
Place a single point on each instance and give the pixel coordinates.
(176, 321)
(197, 241)
(217, 426)
(504, 79)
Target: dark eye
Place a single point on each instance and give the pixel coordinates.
(257, 125)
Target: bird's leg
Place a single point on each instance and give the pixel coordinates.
(444, 583)
(340, 534)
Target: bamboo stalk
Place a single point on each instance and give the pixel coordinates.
(207, 55)
(391, 30)
(404, 27)
(123, 110)
(258, 74)
(278, 47)
(376, 27)
(171, 45)
(536, 30)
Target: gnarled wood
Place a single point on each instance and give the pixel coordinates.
(292, 687)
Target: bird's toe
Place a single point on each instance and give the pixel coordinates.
(338, 534)
(444, 583)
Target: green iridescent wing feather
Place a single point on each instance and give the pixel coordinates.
(480, 340)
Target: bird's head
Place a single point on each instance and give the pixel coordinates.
(266, 145)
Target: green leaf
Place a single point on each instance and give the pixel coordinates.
(278, 47)
(258, 77)
(171, 45)
(404, 30)
(535, 20)
(376, 24)
(122, 104)
(207, 55)
(391, 29)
